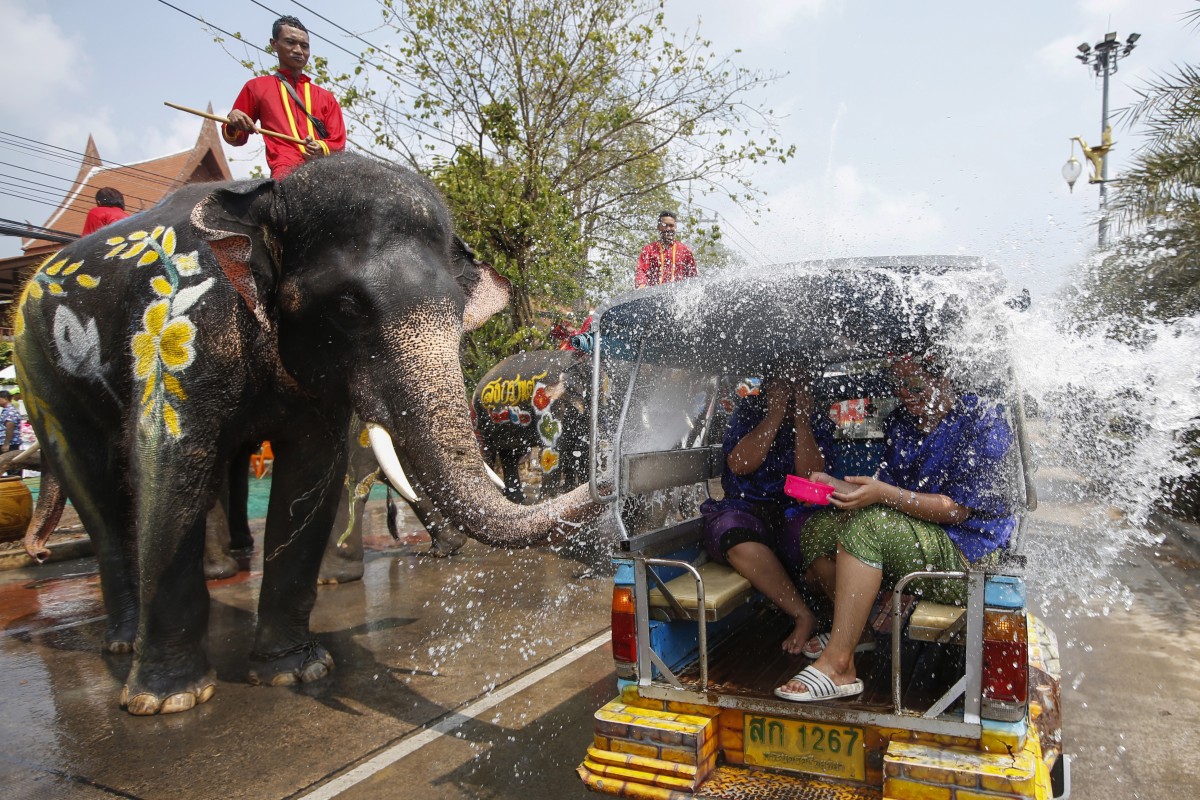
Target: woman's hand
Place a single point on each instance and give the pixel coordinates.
(802, 400)
(864, 492)
(779, 396)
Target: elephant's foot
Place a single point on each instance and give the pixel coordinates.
(341, 565)
(119, 636)
(142, 702)
(447, 543)
(304, 663)
(218, 567)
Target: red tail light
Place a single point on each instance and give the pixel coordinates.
(624, 625)
(1005, 661)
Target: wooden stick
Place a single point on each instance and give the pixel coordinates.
(218, 118)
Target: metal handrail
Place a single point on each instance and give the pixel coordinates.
(645, 655)
(971, 685)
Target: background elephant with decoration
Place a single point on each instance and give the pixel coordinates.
(157, 349)
(536, 399)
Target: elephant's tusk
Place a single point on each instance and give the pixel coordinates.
(496, 479)
(385, 454)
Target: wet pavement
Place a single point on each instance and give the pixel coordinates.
(414, 642)
(476, 676)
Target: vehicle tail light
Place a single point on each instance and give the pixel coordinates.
(1005, 664)
(624, 625)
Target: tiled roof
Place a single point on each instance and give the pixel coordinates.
(143, 184)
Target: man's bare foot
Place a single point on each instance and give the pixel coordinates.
(794, 643)
(840, 678)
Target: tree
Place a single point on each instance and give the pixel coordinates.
(594, 100)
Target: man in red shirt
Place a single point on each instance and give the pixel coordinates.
(288, 102)
(666, 260)
(110, 207)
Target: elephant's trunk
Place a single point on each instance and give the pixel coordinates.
(434, 426)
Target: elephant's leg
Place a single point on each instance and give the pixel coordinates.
(342, 561)
(218, 561)
(306, 487)
(170, 670)
(240, 539)
(510, 464)
(447, 539)
(88, 474)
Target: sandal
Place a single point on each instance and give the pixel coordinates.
(822, 641)
(818, 686)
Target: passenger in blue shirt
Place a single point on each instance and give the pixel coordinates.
(937, 502)
(755, 528)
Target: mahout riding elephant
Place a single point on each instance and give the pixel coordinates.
(157, 349)
(534, 399)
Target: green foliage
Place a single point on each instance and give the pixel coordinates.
(558, 129)
(1154, 271)
(595, 101)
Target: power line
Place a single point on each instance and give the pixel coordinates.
(69, 182)
(62, 153)
(761, 255)
(25, 230)
(43, 202)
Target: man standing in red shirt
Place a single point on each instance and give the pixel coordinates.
(288, 102)
(666, 260)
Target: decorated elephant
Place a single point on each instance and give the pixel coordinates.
(533, 400)
(155, 350)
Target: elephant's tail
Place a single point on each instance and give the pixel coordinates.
(50, 504)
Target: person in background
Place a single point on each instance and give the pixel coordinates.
(288, 102)
(665, 260)
(10, 426)
(110, 207)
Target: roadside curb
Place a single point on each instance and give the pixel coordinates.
(78, 546)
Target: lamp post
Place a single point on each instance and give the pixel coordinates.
(1102, 58)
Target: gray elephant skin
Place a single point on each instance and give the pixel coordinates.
(536, 399)
(155, 350)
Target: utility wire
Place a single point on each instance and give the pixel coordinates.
(43, 202)
(25, 230)
(45, 148)
(724, 221)
(58, 190)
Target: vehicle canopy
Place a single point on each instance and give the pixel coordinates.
(820, 311)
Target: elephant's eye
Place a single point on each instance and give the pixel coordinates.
(351, 312)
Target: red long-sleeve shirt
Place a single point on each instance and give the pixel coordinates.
(266, 101)
(660, 263)
(100, 216)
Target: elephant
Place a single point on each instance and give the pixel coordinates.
(536, 399)
(157, 349)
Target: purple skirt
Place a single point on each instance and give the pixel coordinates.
(778, 527)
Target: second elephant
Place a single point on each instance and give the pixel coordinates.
(536, 399)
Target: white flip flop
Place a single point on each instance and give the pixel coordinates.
(819, 686)
(823, 639)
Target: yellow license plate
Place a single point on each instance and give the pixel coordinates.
(834, 750)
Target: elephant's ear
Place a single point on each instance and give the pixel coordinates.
(234, 220)
(487, 291)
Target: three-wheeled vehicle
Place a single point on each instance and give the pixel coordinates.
(960, 702)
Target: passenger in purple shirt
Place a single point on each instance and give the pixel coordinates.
(755, 528)
(937, 502)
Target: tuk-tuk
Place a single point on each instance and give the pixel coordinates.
(959, 702)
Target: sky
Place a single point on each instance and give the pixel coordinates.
(930, 126)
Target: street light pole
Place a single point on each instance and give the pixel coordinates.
(1103, 60)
